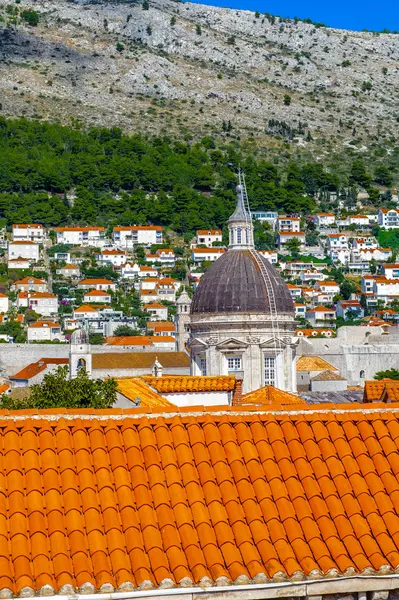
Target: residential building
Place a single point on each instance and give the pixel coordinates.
(97, 296)
(156, 311)
(294, 268)
(364, 243)
(350, 309)
(27, 249)
(4, 303)
(30, 284)
(45, 331)
(33, 232)
(268, 216)
(286, 236)
(69, 271)
(162, 328)
(18, 263)
(289, 224)
(330, 288)
(165, 257)
(390, 270)
(147, 296)
(312, 275)
(116, 258)
(208, 237)
(128, 237)
(200, 255)
(35, 372)
(148, 283)
(97, 284)
(295, 291)
(166, 289)
(81, 236)
(385, 289)
(361, 221)
(337, 241)
(367, 283)
(85, 312)
(388, 218)
(340, 255)
(300, 309)
(321, 315)
(324, 220)
(43, 303)
(369, 254)
(270, 255)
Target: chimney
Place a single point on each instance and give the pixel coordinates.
(237, 393)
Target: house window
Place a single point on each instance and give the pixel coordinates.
(202, 366)
(270, 370)
(233, 364)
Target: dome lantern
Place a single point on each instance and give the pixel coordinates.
(241, 231)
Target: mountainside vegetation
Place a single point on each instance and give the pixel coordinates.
(59, 175)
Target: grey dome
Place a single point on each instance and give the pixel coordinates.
(234, 284)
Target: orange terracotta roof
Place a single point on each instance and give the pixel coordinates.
(161, 326)
(209, 232)
(113, 252)
(37, 295)
(328, 376)
(101, 293)
(146, 228)
(3, 388)
(136, 390)
(25, 225)
(129, 340)
(70, 267)
(140, 360)
(269, 395)
(40, 324)
(101, 503)
(209, 250)
(23, 243)
(313, 363)
(175, 384)
(96, 282)
(85, 308)
(60, 229)
(34, 280)
(153, 305)
(35, 368)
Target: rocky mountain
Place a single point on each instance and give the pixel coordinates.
(181, 68)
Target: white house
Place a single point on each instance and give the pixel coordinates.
(4, 303)
(367, 283)
(30, 284)
(386, 289)
(388, 218)
(390, 270)
(27, 249)
(69, 271)
(116, 258)
(285, 236)
(18, 263)
(45, 331)
(97, 284)
(165, 257)
(337, 241)
(324, 220)
(340, 255)
(364, 243)
(270, 255)
(207, 237)
(127, 237)
(366, 255)
(330, 288)
(200, 255)
(148, 283)
(295, 291)
(43, 303)
(269, 216)
(97, 296)
(359, 220)
(81, 236)
(289, 224)
(157, 311)
(33, 232)
(312, 274)
(321, 315)
(86, 312)
(300, 309)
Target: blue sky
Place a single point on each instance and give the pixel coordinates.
(345, 14)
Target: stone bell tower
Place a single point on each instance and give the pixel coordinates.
(183, 320)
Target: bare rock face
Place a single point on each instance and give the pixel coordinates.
(185, 68)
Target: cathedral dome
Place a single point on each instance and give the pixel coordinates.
(235, 284)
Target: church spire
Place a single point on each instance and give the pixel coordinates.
(241, 232)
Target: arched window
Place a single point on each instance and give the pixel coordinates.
(362, 374)
(239, 235)
(81, 364)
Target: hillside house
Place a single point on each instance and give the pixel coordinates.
(208, 237)
(69, 271)
(200, 255)
(97, 297)
(286, 236)
(81, 236)
(97, 284)
(350, 309)
(324, 220)
(115, 258)
(156, 311)
(33, 232)
(30, 284)
(4, 303)
(388, 218)
(43, 303)
(27, 249)
(269, 216)
(45, 331)
(165, 257)
(289, 224)
(321, 315)
(130, 236)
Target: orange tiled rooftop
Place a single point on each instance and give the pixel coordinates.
(120, 500)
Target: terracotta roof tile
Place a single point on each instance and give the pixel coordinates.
(227, 495)
(169, 384)
(133, 388)
(313, 363)
(140, 360)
